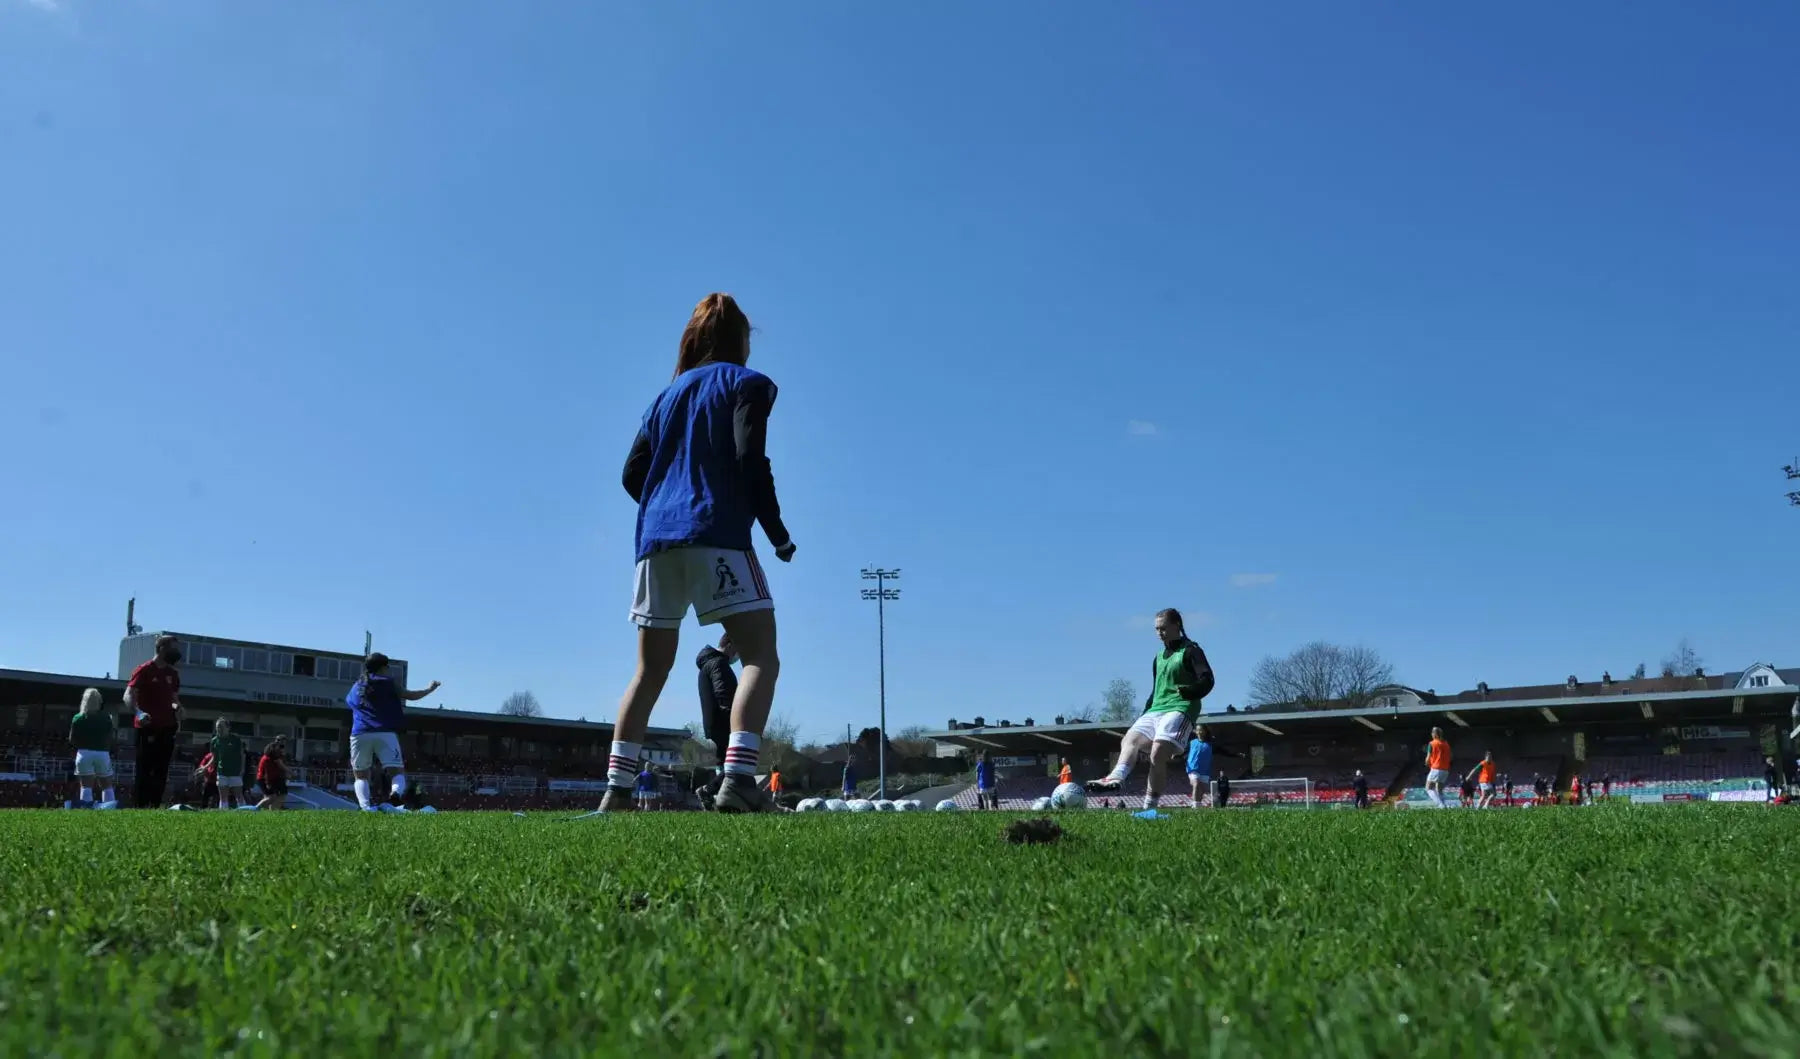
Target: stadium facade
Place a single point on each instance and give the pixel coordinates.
(264, 690)
(1648, 734)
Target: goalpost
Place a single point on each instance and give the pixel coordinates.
(1293, 792)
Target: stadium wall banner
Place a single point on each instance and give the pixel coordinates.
(1016, 761)
(1646, 799)
(16, 777)
(577, 785)
(1713, 731)
(1758, 795)
(1681, 797)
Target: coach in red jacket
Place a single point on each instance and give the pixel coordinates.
(154, 695)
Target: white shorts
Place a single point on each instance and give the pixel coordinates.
(231, 783)
(1170, 726)
(365, 748)
(1437, 776)
(717, 582)
(1487, 788)
(93, 763)
(1199, 777)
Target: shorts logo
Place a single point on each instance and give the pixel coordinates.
(728, 582)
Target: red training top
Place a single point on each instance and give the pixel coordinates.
(271, 768)
(157, 686)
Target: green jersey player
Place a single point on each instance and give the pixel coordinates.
(1180, 678)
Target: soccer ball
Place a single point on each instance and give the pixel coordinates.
(836, 805)
(948, 806)
(1069, 796)
(911, 805)
(810, 805)
(861, 805)
(883, 805)
(1040, 805)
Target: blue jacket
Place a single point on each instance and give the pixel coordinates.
(698, 468)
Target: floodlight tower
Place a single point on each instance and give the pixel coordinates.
(881, 594)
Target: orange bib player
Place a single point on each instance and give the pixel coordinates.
(1437, 763)
(1484, 773)
(1066, 774)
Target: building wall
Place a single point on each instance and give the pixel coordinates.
(264, 673)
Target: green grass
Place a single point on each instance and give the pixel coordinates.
(1608, 931)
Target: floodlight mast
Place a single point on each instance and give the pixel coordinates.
(881, 594)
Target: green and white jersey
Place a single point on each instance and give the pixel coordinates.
(1181, 677)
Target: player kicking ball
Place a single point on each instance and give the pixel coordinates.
(1181, 678)
(700, 476)
(377, 717)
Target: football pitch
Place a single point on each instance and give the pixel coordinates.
(1596, 931)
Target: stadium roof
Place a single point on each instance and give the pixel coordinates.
(1668, 707)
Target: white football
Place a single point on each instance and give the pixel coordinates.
(861, 805)
(911, 805)
(810, 805)
(1069, 796)
(1040, 805)
(948, 805)
(883, 805)
(836, 805)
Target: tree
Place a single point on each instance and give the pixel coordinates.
(1684, 661)
(1639, 675)
(1320, 674)
(521, 704)
(1083, 714)
(779, 741)
(1121, 701)
(696, 750)
(911, 742)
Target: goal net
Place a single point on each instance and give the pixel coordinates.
(1293, 793)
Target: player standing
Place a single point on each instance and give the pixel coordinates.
(700, 475)
(1180, 678)
(1437, 761)
(1359, 785)
(1199, 765)
(91, 733)
(228, 758)
(377, 717)
(645, 789)
(154, 695)
(986, 793)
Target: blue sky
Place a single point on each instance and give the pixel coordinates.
(1468, 335)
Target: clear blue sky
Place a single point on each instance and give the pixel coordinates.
(1469, 335)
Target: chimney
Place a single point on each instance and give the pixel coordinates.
(1029, 723)
(1059, 718)
(1481, 689)
(1606, 680)
(1699, 672)
(981, 722)
(952, 724)
(1573, 683)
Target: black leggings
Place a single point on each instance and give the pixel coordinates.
(155, 746)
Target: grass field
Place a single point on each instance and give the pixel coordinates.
(1606, 931)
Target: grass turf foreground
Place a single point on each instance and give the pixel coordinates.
(1606, 931)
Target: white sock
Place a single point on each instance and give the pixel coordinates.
(398, 783)
(109, 795)
(1437, 799)
(362, 793)
(740, 753)
(1150, 800)
(622, 766)
(1121, 771)
(87, 793)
